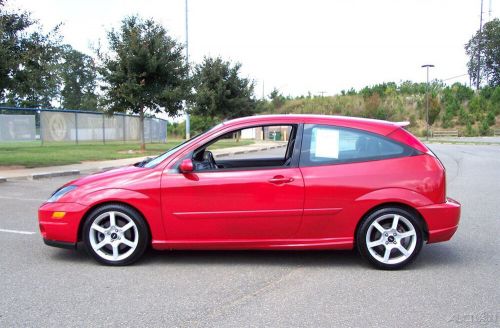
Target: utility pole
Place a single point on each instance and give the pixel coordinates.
(427, 66)
(188, 125)
(480, 41)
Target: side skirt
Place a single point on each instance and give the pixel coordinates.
(274, 244)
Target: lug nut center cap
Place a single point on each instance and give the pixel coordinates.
(391, 239)
(114, 235)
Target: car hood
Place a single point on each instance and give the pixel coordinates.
(112, 178)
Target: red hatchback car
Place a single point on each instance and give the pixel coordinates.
(296, 182)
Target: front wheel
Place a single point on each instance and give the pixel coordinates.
(390, 238)
(115, 234)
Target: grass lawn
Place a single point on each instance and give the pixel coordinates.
(32, 154)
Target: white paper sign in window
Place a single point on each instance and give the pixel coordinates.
(326, 143)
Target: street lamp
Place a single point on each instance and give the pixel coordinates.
(427, 66)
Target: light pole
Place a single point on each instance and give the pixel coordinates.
(188, 125)
(427, 66)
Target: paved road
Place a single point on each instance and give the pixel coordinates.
(450, 284)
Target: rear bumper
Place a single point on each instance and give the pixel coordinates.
(60, 232)
(442, 220)
(60, 244)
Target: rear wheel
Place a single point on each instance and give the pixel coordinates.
(115, 234)
(390, 238)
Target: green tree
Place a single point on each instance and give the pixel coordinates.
(434, 108)
(201, 124)
(486, 45)
(220, 92)
(28, 60)
(78, 77)
(144, 71)
(277, 99)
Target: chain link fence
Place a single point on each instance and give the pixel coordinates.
(28, 124)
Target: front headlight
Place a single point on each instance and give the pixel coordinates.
(59, 193)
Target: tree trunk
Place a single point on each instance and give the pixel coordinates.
(141, 130)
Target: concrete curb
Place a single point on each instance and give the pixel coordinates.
(108, 168)
(43, 175)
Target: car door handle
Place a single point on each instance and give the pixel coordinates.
(279, 179)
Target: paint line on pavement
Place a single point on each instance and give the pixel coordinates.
(18, 232)
(22, 198)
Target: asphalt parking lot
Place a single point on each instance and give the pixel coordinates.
(451, 284)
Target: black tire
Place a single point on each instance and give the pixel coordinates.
(402, 245)
(129, 227)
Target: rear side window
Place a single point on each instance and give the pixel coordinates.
(325, 144)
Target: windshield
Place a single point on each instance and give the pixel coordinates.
(157, 160)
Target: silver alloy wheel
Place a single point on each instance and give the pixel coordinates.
(391, 239)
(113, 236)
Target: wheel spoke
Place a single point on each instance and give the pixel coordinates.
(403, 250)
(115, 251)
(127, 226)
(127, 242)
(101, 244)
(407, 234)
(387, 254)
(395, 222)
(376, 243)
(378, 227)
(98, 228)
(112, 220)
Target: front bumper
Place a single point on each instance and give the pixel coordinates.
(60, 232)
(442, 220)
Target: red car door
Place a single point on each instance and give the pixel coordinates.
(232, 205)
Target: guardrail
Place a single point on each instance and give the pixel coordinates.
(496, 132)
(444, 133)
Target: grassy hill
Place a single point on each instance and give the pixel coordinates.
(454, 107)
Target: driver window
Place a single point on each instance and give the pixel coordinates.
(255, 147)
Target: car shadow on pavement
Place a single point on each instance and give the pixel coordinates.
(71, 255)
(431, 256)
(253, 257)
(438, 255)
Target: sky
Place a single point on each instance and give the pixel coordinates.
(297, 46)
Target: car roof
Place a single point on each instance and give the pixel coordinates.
(371, 125)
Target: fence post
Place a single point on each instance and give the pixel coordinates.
(103, 133)
(151, 130)
(76, 128)
(124, 129)
(41, 127)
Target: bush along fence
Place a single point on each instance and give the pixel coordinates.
(51, 125)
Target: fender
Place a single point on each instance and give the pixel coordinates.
(149, 207)
(394, 195)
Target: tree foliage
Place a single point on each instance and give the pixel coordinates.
(78, 77)
(485, 44)
(144, 71)
(28, 60)
(220, 92)
(277, 99)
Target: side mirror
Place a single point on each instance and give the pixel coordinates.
(186, 166)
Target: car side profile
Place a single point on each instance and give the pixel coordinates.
(316, 182)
